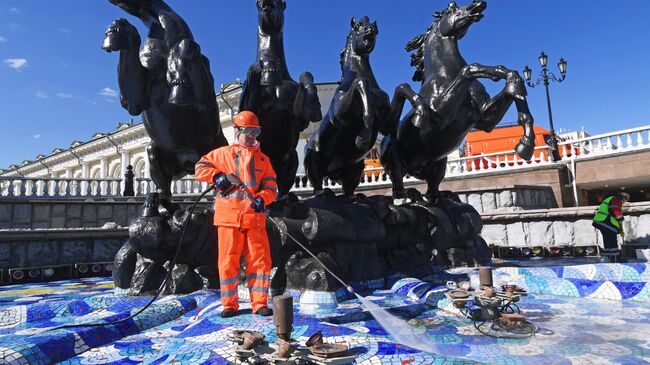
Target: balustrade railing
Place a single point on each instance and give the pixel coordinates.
(56, 187)
(636, 139)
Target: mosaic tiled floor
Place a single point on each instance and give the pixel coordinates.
(188, 329)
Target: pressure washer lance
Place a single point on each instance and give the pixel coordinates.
(162, 286)
(400, 330)
(251, 197)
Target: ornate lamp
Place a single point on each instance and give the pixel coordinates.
(562, 66)
(543, 59)
(527, 73)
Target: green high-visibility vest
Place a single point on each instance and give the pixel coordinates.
(603, 213)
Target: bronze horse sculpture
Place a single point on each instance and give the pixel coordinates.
(450, 102)
(285, 107)
(170, 83)
(357, 111)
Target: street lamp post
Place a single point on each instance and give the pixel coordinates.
(545, 77)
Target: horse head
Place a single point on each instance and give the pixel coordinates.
(361, 40)
(271, 15)
(455, 21)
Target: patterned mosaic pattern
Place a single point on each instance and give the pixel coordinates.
(188, 329)
(601, 281)
(628, 272)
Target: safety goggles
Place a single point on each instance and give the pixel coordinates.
(249, 131)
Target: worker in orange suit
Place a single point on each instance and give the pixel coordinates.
(241, 224)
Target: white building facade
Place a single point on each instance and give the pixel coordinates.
(107, 155)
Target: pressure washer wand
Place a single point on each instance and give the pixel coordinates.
(251, 197)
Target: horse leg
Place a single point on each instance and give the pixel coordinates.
(161, 174)
(493, 110)
(433, 174)
(392, 163)
(446, 105)
(526, 146)
(360, 89)
(402, 93)
(286, 174)
(312, 165)
(306, 107)
(515, 86)
(182, 63)
(123, 37)
(363, 139)
(352, 178)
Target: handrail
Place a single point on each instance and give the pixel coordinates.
(613, 143)
(606, 135)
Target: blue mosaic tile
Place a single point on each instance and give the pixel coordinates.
(189, 330)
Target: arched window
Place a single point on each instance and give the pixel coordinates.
(139, 168)
(115, 170)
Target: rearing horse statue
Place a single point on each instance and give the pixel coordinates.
(285, 108)
(357, 111)
(450, 102)
(169, 81)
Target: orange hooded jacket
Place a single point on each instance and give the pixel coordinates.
(253, 168)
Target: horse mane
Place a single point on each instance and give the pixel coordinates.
(417, 59)
(348, 41)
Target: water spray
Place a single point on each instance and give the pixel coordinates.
(400, 330)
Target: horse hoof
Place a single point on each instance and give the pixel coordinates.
(525, 150)
(121, 36)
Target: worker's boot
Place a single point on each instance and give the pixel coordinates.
(264, 311)
(228, 312)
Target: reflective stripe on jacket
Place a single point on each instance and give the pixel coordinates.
(609, 214)
(253, 168)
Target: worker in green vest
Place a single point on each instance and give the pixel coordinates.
(609, 221)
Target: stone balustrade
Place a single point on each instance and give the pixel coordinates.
(635, 139)
(47, 187)
(625, 141)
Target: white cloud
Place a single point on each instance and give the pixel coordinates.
(108, 92)
(2, 39)
(36, 136)
(15, 63)
(64, 95)
(41, 94)
(63, 30)
(12, 26)
(14, 10)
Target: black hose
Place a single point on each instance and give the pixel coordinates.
(162, 286)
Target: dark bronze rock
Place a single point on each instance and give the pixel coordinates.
(339, 231)
(357, 112)
(124, 266)
(142, 263)
(450, 102)
(285, 107)
(170, 83)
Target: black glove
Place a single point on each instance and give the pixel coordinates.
(222, 183)
(258, 204)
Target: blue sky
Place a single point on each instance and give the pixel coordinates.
(59, 86)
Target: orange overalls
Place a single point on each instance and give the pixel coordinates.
(239, 227)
